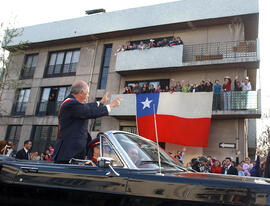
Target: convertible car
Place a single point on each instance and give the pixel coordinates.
(131, 170)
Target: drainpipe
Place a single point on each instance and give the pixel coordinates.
(94, 63)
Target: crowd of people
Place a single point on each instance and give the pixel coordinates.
(235, 102)
(47, 155)
(152, 43)
(26, 153)
(246, 167)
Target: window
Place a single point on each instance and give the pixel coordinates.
(29, 66)
(13, 135)
(105, 66)
(51, 99)
(42, 136)
(63, 63)
(109, 151)
(22, 97)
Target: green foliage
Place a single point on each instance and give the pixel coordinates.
(263, 141)
(9, 71)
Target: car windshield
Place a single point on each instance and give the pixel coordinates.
(144, 153)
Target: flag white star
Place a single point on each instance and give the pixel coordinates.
(146, 103)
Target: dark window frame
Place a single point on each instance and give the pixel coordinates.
(62, 65)
(16, 102)
(15, 140)
(26, 70)
(49, 139)
(104, 67)
(50, 113)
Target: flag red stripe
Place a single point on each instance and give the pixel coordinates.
(176, 130)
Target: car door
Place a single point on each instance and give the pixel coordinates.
(73, 176)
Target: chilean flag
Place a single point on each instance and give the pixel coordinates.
(181, 118)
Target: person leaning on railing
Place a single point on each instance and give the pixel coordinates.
(217, 90)
(227, 93)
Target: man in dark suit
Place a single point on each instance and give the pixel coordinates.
(24, 153)
(229, 169)
(73, 117)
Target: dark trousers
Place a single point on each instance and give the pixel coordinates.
(216, 102)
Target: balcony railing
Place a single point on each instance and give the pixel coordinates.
(219, 50)
(235, 100)
(235, 103)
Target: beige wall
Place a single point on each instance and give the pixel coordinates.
(221, 131)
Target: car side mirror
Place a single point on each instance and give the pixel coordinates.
(106, 162)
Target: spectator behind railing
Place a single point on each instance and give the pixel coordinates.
(151, 88)
(145, 89)
(217, 90)
(246, 85)
(127, 90)
(136, 88)
(227, 93)
(158, 89)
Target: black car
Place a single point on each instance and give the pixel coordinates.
(131, 171)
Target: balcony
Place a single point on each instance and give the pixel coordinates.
(161, 57)
(242, 105)
(221, 52)
(189, 55)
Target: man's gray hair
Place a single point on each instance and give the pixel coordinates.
(75, 89)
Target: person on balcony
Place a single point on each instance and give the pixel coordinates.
(201, 87)
(178, 87)
(237, 95)
(208, 86)
(145, 89)
(141, 46)
(227, 93)
(158, 90)
(193, 88)
(164, 43)
(186, 88)
(179, 41)
(151, 88)
(136, 88)
(217, 90)
(127, 90)
(246, 85)
(134, 46)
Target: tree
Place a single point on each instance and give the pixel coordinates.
(8, 68)
(264, 140)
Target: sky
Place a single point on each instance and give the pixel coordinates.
(30, 12)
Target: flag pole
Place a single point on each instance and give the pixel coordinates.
(155, 121)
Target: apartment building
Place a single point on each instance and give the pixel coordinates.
(220, 39)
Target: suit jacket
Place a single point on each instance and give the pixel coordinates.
(73, 128)
(232, 171)
(21, 154)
